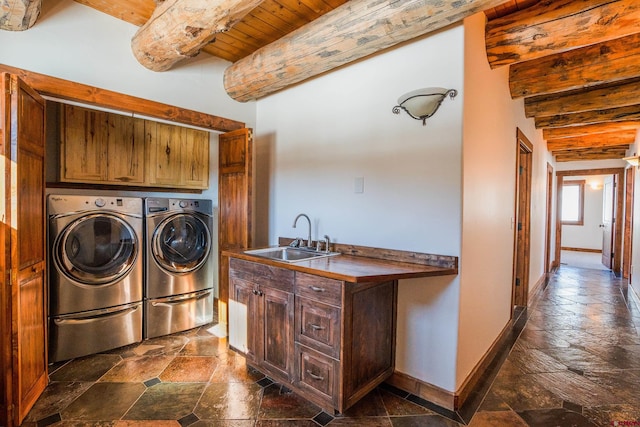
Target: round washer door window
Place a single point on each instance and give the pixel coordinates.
(96, 249)
(181, 243)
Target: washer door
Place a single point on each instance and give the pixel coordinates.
(96, 249)
(181, 243)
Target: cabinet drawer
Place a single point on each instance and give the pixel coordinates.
(318, 326)
(275, 277)
(319, 288)
(316, 373)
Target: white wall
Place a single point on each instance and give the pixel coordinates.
(491, 118)
(588, 235)
(314, 139)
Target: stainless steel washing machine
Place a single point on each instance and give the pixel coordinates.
(179, 264)
(95, 282)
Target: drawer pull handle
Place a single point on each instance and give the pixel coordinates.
(317, 289)
(314, 376)
(316, 327)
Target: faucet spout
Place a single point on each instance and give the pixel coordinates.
(309, 221)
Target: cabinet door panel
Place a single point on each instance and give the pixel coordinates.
(125, 163)
(278, 331)
(84, 144)
(243, 315)
(165, 152)
(195, 159)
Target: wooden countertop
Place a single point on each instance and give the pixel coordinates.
(352, 268)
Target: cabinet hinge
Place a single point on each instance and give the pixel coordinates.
(517, 282)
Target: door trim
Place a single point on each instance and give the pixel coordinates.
(548, 264)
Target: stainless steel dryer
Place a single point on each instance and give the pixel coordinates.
(95, 284)
(179, 286)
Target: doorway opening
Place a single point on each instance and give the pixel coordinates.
(610, 216)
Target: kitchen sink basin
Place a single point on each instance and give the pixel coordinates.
(289, 254)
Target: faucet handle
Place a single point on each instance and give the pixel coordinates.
(295, 243)
(327, 243)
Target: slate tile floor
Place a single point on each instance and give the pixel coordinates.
(575, 362)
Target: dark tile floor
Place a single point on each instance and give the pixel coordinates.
(575, 363)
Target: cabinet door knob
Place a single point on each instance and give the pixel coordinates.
(316, 289)
(314, 376)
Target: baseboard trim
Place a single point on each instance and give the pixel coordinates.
(597, 251)
(430, 392)
(537, 290)
(453, 401)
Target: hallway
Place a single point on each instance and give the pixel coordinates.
(576, 363)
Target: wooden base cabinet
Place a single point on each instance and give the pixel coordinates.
(330, 341)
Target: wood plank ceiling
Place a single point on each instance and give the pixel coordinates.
(576, 63)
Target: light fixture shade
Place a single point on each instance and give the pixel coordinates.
(423, 103)
(633, 160)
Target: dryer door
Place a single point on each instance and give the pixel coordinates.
(96, 249)
(181, 243)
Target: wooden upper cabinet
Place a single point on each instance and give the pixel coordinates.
(178, 156)
(195, 166)
(125, 150)
(83, 145)
(106, 148)
(165, 151)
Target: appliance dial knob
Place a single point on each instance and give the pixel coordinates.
(100, 202)
(183, 204)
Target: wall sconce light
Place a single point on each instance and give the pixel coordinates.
(633, 160)
(423, 103)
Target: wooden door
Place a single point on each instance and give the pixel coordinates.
(629, 181)
(607, 220)
(83, 145)
(23, 303)
(125, 149)
(520, 289)
(235, 204)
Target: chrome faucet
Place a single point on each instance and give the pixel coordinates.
(309, 244)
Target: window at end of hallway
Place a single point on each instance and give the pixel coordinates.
(573, 202)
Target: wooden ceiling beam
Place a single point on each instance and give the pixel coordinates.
(611, 153)
(19, 15)
(179, 29)
(598, 98)
(606, 62)
(551, 27)
(350, 32)
(621, 114)
(593, 129)
(590, 141)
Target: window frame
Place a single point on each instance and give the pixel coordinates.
(580, 184)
